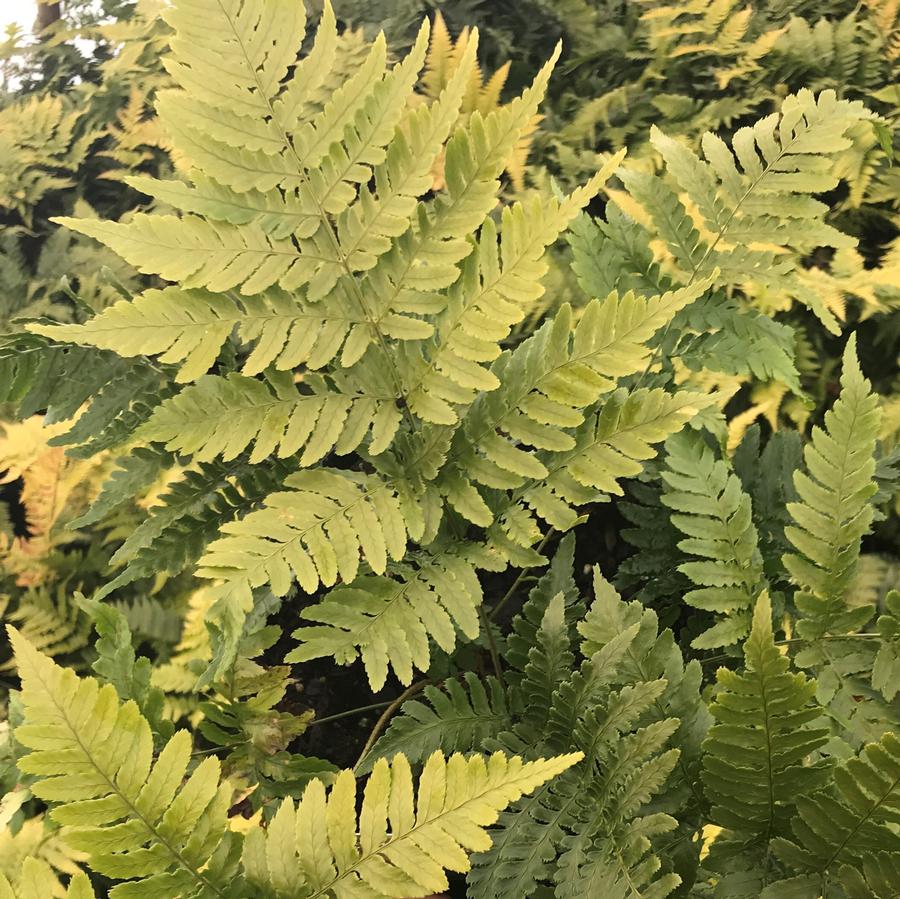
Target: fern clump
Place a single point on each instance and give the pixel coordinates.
(603, 695)
(349, 273)
(406, 492)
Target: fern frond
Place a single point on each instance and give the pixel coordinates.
(876, 878)
(550, 661)
(221, 417)
(854, 817)
(609, 446)
(886, 670)
(834, 510)
(557, 579)
(313, 531)
(549, 380)
(50, 619)
(192, 326)
(767, 475)
(39, 150)
(714, 513)
(404, 839)
(752, 195)
(458, 716)
(391, 620)
(755, 757)
(37, 879)
(589, 831)
(499, 282)
(738, 341)
(190, 513)
(135, 473)
(133, 816)
(613, 255)
(652, 654)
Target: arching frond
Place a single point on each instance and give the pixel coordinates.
(138, 819)
(404, 839)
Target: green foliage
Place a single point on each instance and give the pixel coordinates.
(886, 670)
(834, 509)
(843, 825)
(715, 514)
(141, 822)
(301, 386)
(756, 755)
(615, 707)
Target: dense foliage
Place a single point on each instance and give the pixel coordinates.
(439, 460)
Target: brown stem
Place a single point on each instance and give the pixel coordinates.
(381, 723)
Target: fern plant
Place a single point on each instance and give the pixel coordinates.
(338, 399)
(609, 685)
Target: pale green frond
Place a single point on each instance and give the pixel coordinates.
(221, 417)
(279, 215)
(234, 55)
(834, 511)
(391, 620)
(159, 825)
(651, 653)
(735, 339)
(711, 509)
(36, 881)
(500, 281)
(549, 380)
(192, 326)
(756, 757)
(314, 531)
(748, 209)
(612, 445)
(425, 260)
(758, 190)
(405, 838)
